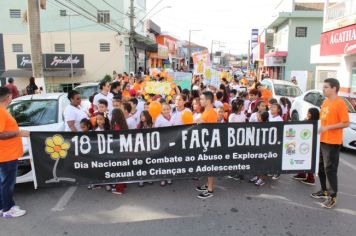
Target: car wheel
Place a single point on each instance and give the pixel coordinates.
(295, 116)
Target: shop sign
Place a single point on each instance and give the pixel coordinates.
(274, 61)
(162, 52)
(340, 41)
(52, 61)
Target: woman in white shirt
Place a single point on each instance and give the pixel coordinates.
(275, 113)
(260, 108)
(73, 113)
(237, 112)
(197, 109)
(178, 110)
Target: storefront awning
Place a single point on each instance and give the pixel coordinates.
(47, 73)
(145, 43)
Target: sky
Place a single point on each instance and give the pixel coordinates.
(227, 21)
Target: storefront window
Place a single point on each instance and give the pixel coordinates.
(324, 74)
(353, 82)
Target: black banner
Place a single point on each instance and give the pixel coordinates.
(52, 61)
(174, 152)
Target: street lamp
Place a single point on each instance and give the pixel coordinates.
(189, 47)
(70, 43)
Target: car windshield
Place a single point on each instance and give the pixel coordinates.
(349, 106)
(34, 112)
(287, 90)
(87, 91)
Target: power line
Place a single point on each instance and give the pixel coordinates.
(103, 25)
(115, 8)
(121, 26)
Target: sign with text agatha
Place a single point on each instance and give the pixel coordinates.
(52, 61)
(339, 41)
(174, 152)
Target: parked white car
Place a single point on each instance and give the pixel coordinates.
(282, 88)
(86, 90)
(40, 112)
(314, 98)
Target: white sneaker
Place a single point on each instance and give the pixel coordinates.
(14, 212)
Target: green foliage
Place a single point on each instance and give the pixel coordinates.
(107, 78)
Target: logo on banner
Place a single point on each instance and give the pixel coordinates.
(290, 133)
(305, 134)
(290, 148)
(57, 148)
(304, 148)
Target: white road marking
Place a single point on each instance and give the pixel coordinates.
(172, 144)
(63, 201)
(346, 163)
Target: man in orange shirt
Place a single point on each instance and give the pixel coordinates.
(209, 116)
(11, 149)
(334, 117)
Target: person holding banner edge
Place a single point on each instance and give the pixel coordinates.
(11, 150)
(334, 117)
(209, 116)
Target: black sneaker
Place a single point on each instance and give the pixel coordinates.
(202, 188)
(329, 203)
(300, 177)
(320, 194)
(205, 195)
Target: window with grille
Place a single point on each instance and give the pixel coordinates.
(105, 47)
(62, 12)
(16, 47)
(15, 13)
(301, 32)
(103, 17)
(59, 47)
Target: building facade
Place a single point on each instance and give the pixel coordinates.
(95, 33)
(335, 55)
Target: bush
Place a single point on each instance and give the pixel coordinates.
(107, 78)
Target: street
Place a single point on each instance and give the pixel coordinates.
(281, 207)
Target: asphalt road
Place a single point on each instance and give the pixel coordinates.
(281, 207)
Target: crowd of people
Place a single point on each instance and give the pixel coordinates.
(123, 104)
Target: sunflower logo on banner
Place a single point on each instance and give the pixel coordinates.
(57, 148)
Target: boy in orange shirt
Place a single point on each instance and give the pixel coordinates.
(11, 149)
(334, 117)
(209, 116)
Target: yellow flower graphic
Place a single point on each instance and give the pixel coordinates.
(57, 147)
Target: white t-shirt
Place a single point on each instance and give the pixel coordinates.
(284, 109)
(218, 104)
(99, 129)
(237, 118)
(136, 116)
(131, 123)
(276, 118)
(108, 98)
(196, 116)
(177, 117)
(253, 117)
(247, 107)
(162, 121)
(75, 114)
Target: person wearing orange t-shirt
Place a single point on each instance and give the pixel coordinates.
(11, 150)
(333, 117)
(209, 116)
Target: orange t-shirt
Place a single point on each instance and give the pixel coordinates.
(10, 149)
(209, 116)
(333, 112)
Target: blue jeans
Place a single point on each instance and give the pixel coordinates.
(8, 172)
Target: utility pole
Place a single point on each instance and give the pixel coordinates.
(132, 54)
(189, 52)
(70, 48)
(34, 28)
(248, 55)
